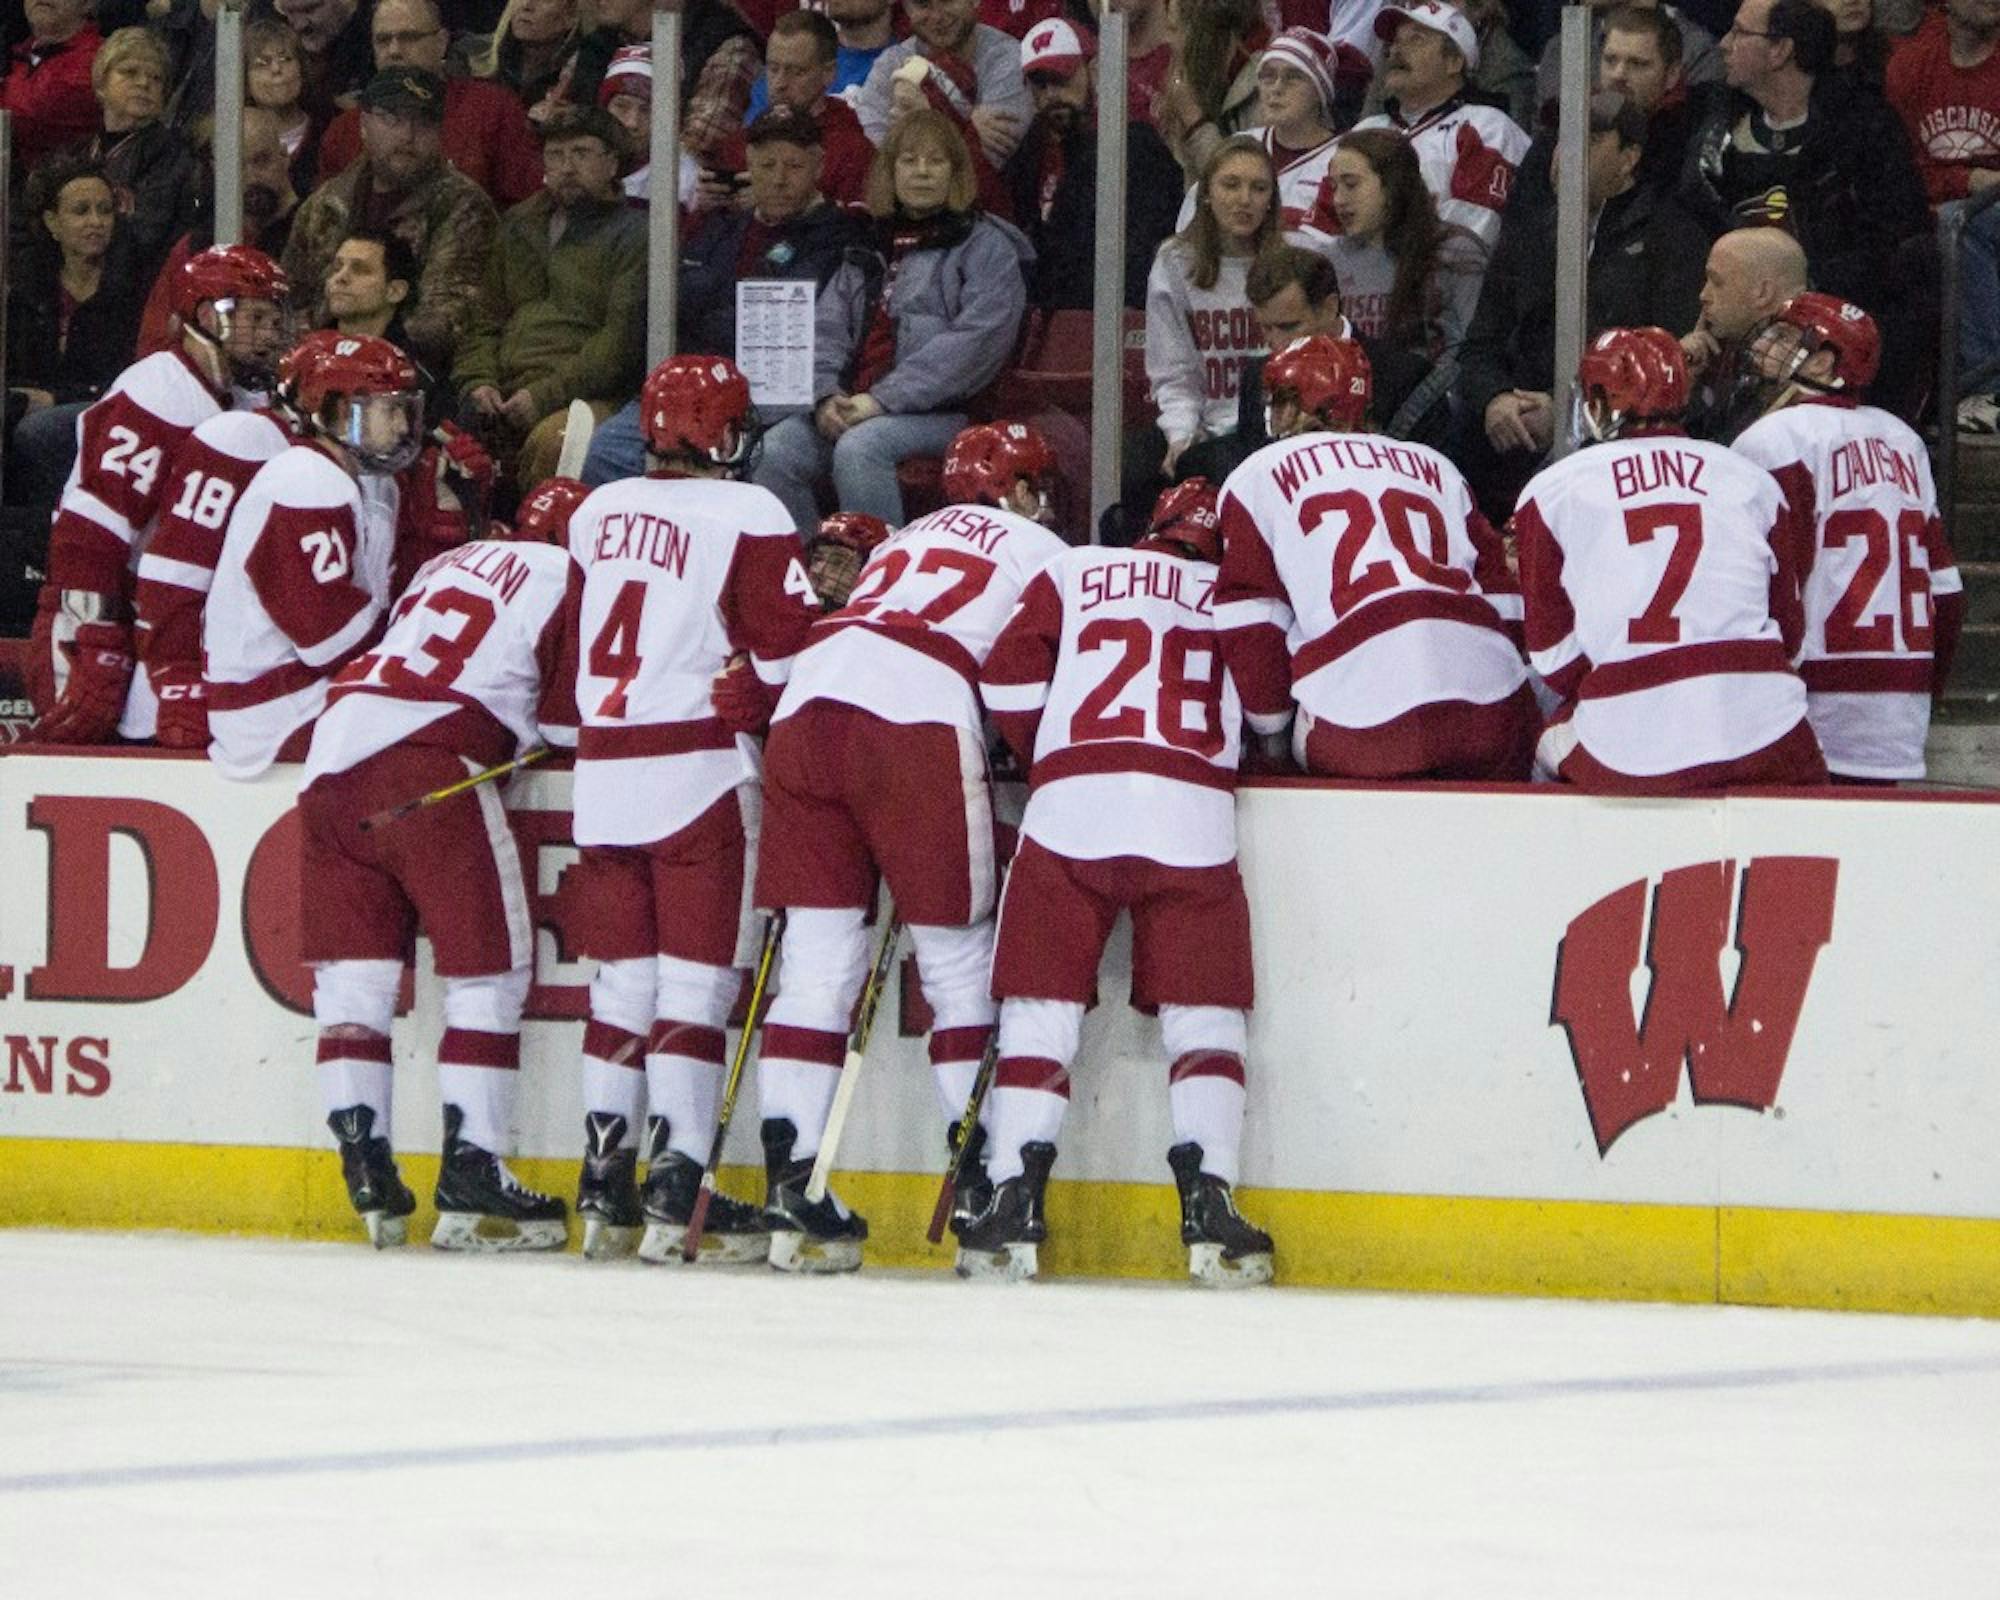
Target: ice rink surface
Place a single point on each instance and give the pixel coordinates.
(219, 1418)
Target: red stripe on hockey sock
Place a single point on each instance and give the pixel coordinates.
(1032, 1072)
(804, 1044)
(347, 1046)
(469, 1047)
(1207, 1064)
(958, 1044)
(616, 1047)
(687, 1039)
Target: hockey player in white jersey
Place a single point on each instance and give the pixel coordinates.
(229, 306)
(477, 667)
(1109, 684)
(695, 601)
(303, 579)
(1661, 605)
(876, 769)
(1360, 580)
(1882, 595)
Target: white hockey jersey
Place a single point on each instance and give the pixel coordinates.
(924, 612)
(1111, 673)
(1364, 581)
(680, 574)
(1870, 550)
(1469, 155)
(1656, 596)
(300, 586)
(479, 658)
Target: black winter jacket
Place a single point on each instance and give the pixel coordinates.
(1065, 271)
(810, 246)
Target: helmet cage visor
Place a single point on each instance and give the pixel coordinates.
(251, 334)
(384, 431)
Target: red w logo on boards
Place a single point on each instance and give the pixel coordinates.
(1735, 1044)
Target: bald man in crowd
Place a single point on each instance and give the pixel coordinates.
(1752, 272)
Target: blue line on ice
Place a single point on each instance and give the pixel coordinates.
(868, 1430)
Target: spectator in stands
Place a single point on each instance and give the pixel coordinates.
(527, 53)
(274, 77)
(1016, 17)
(151, 170)
(1640, 59)
(1700, 56)
(950, 30)
(487, 135)
(1306, 88)
(269, 205)
(1505, 75)
(1644, 270)
(1199, 327)
(626, 92)
(720, 55)
(1052, 178)
(1944, 81)
(862, 29)
(1861, 50)
(368, 285)
(948, 85)
(48, 87)
(1784, 141)
(1750, 275)
(339, 54)
(1406, 279)
(562, 313)
(1213, 91)
(187, 29)
(907, 340)
(1468, 151)
(789, 230)
(1150, 38)
(799, 66)
(403, 183)
(72, 321)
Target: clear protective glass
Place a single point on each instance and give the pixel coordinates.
(385, 432)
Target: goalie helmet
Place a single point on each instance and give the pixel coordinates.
(987, 460)
(545, 511)
(231, 278)
(1627, 376)
(701, 406)
(1327, 378)
(1187, 516)
(360, 392)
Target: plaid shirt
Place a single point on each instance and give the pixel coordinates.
(721, 94)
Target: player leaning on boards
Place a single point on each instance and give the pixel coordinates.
(229, 307)
(695, 601)
(477, 667)
(876, 768)
(1883, 600)
(1359, 580)
(1109, 685)
(1662, 605)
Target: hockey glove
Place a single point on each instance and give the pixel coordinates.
(183, 717)
(87, 710)
(742, 700)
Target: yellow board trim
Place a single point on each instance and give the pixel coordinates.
(1427, 1243)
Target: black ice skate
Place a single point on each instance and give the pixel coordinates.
(972, 1190)
(607, 1190)
(1224, 1251)
(804, 1238)
(1001, 1242)
(731, 1234)
(483, 1206)
(369, 1166)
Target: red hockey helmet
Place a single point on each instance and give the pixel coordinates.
(839, 551)
(987, 460)
(1630, 375)
(545, 510)
(1186, 515)
(701, 406)
(1327, 378)
(1812, 322)
(248, 291)
(360, 392)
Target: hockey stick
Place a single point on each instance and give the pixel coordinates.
(774, 930)
(578, 426)
(382, 819)
(850, 1067)
(948, 1190)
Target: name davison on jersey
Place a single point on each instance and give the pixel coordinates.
(1233, 333)
(641, 536)
(1311, 461)
(491, 563)
(1656, 469)
(965, 522)
(1147, 580)
(1863, 463)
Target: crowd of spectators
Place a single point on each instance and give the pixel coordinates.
(469, 180)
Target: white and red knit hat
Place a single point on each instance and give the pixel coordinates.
(1054, 46)
(1314, 54)
(630, 71)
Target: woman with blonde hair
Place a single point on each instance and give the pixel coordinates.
(907, 334)
(154, 176)
(528, 51)
(274, 77)
(1212, 88)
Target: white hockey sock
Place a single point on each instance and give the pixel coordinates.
(688, 1093)
(350, 1081)
(801, 1092)
(954, 1086)
(617, 1090)
(1016, 1117)
(614, 1042)
(1208, 1109)
(486, 1096)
